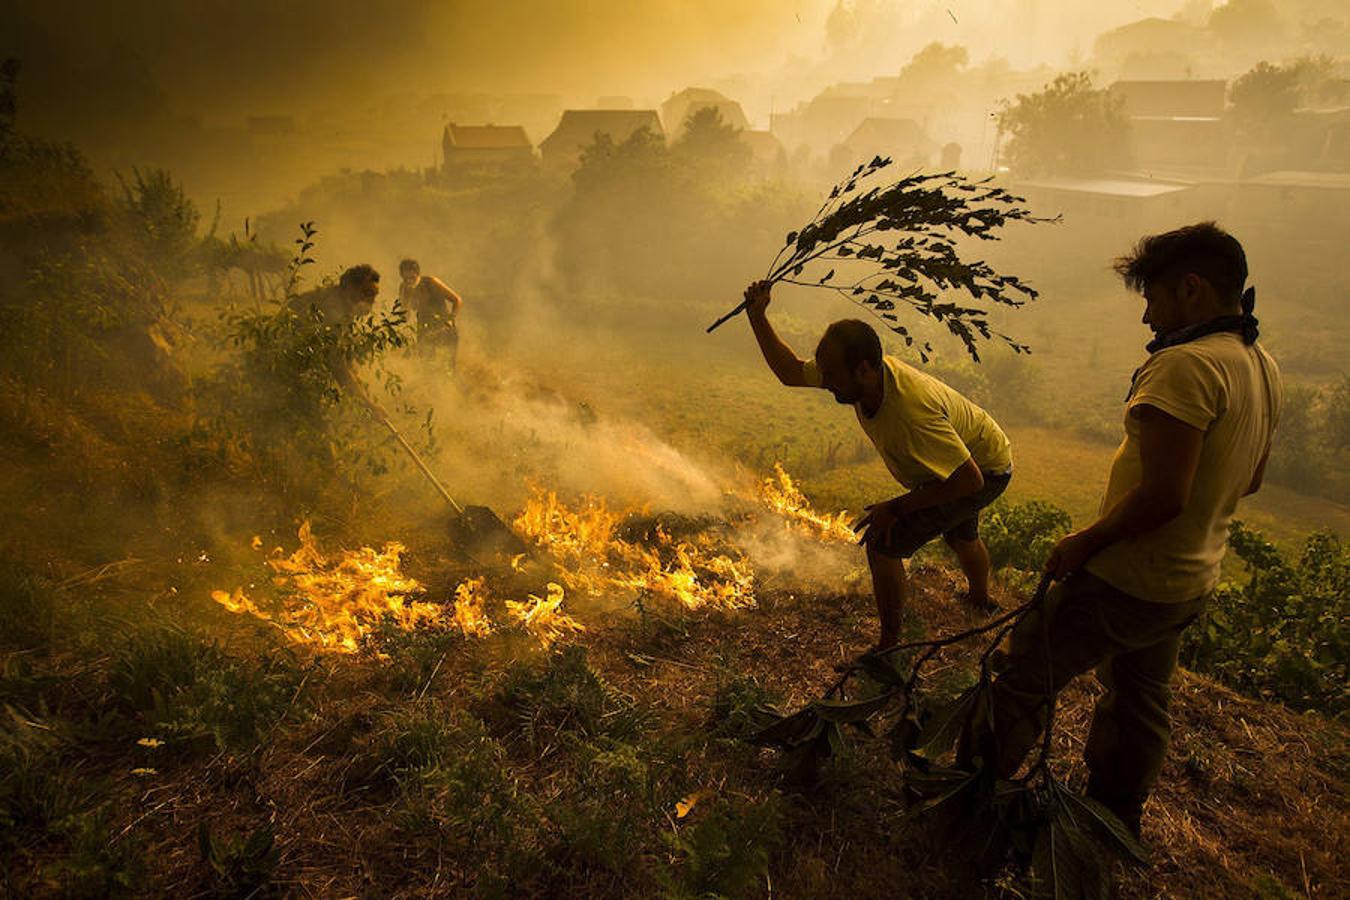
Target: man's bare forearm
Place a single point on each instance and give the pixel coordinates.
(781, 358)
(966, 480)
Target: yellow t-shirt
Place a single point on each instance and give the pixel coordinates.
(924, 430)
(1232, 392)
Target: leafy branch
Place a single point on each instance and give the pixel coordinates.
(898, 239)
(1063, 836)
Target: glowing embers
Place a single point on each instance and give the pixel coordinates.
(589, 556)
(781, 495)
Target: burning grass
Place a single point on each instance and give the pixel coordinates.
(334, 600)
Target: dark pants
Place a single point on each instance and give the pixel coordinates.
(1133, 644)
(958, 520)
(440, 341)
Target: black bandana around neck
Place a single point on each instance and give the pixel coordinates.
(1245, 323)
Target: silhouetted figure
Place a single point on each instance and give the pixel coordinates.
(1199, 419)
(339, 306)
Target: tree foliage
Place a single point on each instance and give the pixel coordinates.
(1068, 128)
(667, 222)
(278, 396)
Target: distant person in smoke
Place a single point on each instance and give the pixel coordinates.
(343, 303)
(1199, 420)
(338, 306)
(436, 307)
(948, 453)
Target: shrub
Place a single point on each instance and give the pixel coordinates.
(566, 697)
(1312, 447)
(725, 849)
(1283, 632)
(38, 797)
(25, 608)
(243, 866)
(1021, 535)
(454, 785)
(603, 820)
(737, 706)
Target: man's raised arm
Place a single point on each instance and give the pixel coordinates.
(780, 357)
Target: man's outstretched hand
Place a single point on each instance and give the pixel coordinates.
(876, 523)
(757, 297)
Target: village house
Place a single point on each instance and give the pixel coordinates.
(903, 140)
(477, 151)
(578, 128)
(1178, 127)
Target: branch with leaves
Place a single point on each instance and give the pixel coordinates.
(891, 246)
(1063, 836)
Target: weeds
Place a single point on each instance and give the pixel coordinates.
(726, 850)
(182, 687)
(244, 866)
(27, 605)
(566, 697)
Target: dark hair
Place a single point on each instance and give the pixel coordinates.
(410, 263)
(358, 275)
(857, 339)
(1204, 249)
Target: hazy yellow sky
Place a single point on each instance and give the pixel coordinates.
(221, 58)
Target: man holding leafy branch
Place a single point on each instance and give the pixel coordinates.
(949, 453)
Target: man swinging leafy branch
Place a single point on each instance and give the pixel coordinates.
(892, 248)
(949, 453)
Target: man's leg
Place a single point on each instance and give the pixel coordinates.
(888, 584)
(1130, 728)
(974, 559)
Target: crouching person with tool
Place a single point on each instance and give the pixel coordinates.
(1199, 419)
(949, 453)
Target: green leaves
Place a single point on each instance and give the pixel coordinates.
(1100, 821)
(1066, 865)
(915, 221)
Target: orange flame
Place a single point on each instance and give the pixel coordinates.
(590, 558)
(469, 615)
(541, 616)
(781, 495)
(331, 601)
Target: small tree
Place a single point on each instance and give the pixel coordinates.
(162, 218)
(711, 147)
(1069, 127)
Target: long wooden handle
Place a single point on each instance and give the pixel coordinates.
(380, 414)
(421, 465)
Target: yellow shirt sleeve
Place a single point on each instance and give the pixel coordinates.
(1185, 385)
(811, 374)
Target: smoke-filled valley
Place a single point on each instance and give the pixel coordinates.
(384, 518)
